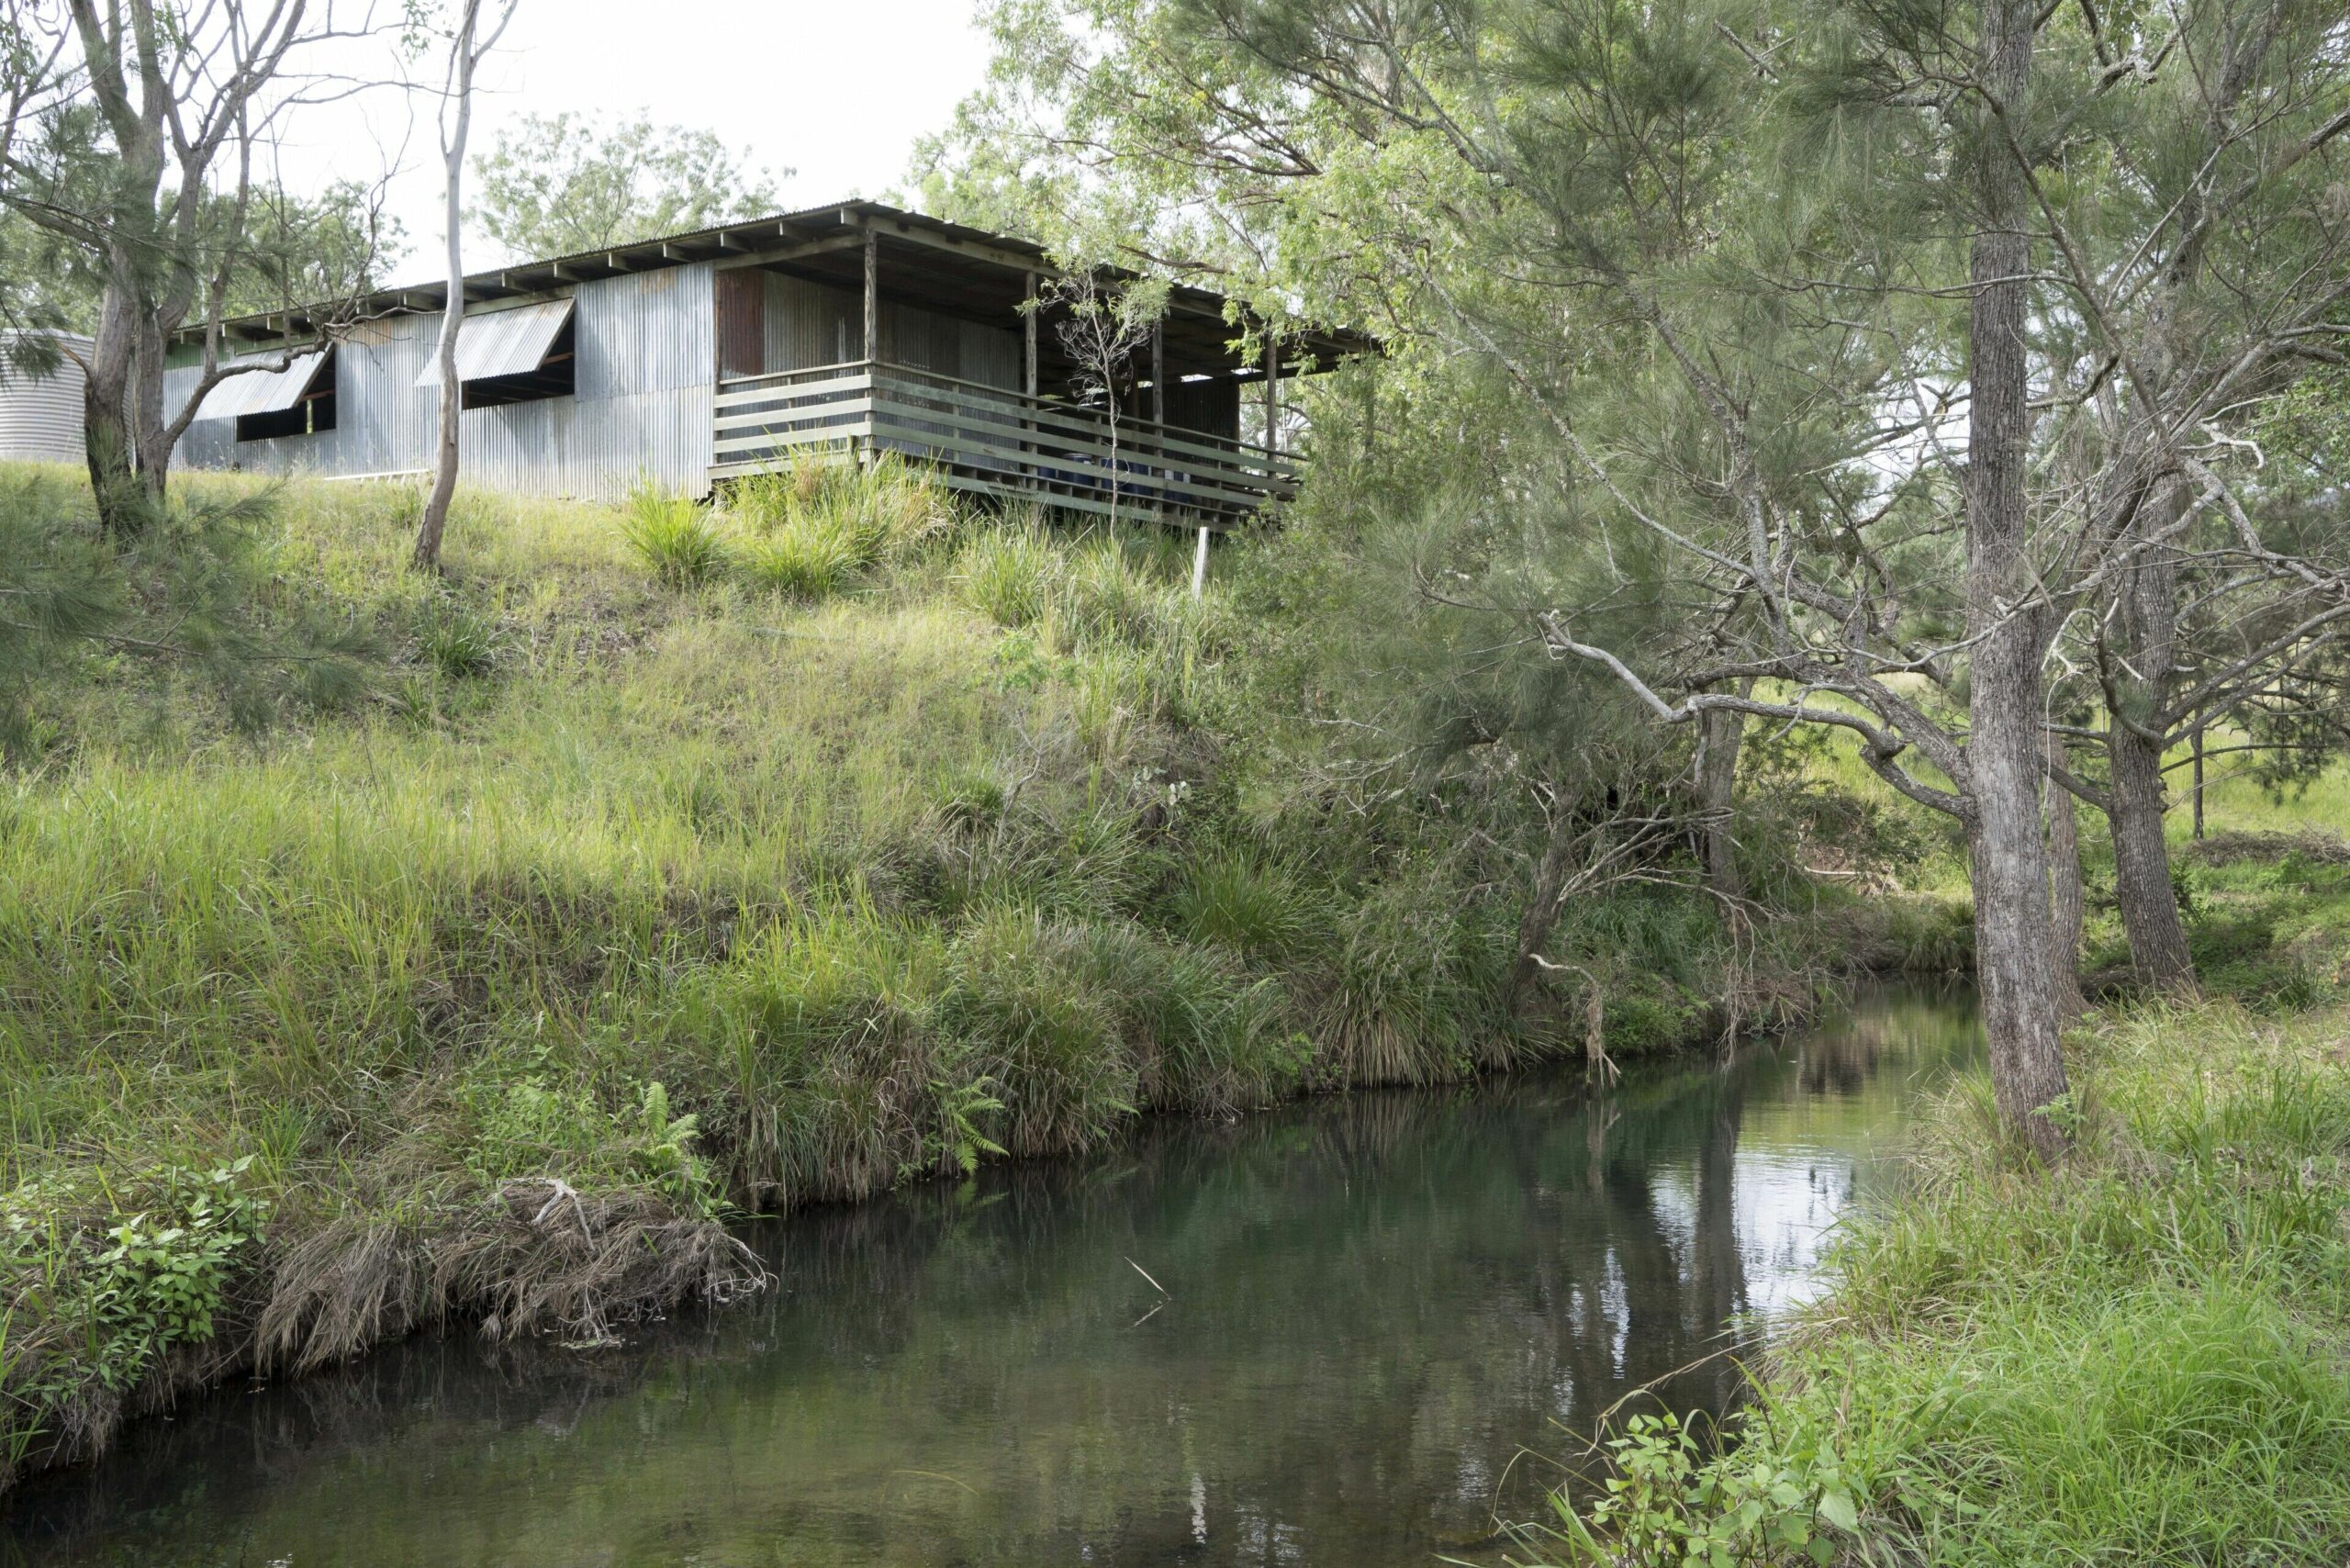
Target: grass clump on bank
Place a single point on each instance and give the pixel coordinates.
(663, 871)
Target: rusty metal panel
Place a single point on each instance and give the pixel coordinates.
(809, 324)
(741, 322)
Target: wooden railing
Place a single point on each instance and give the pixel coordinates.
(983, 438)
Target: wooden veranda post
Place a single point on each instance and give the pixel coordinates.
(872, 323)
(1272, 404)
(1028, 379)
(1032, 308)
(1158, 376)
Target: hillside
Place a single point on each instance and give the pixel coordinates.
(663, 866)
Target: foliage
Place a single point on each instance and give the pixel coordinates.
(557, 184)
(1668, 1505)
(314, 251)
(181, 596)
(129, 1285)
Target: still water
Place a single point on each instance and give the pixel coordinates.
(1371, 1316)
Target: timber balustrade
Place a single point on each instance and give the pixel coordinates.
(984, 438)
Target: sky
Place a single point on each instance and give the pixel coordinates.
(838, 93)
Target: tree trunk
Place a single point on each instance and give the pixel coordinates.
(106, 438)
(2013, 928)
(2142, 864)
(147, 409)
(1721, 733)
(2066, 902)
(2146, 627)
(1541, 911)
(453, 312)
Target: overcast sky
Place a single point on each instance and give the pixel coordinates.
(837, 92)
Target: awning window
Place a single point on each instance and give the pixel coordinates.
(266, 391)
(499, 344)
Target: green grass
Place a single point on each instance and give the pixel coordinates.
(683, 860)
(2138, 1358)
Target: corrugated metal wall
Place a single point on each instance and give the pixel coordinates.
(640, 409)
(813, 323)
(40, 417)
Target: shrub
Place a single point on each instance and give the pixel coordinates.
(673, 535)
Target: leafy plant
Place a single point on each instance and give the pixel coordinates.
(1667, 1506)
(961, 1109)
(143, 1281)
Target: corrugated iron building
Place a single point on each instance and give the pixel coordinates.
(685, 361)
(41, 416)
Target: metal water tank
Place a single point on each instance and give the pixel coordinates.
(41, 416)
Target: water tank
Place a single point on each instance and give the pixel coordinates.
(41, 416)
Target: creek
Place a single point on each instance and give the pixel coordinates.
(1351, 1331)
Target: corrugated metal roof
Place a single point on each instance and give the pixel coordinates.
(504, 343)
(262, 391)
(748, 237)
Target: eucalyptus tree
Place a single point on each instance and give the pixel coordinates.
(1907, 336)
(555, 185)
(129, 130)
(472, 31)
(1101, 324)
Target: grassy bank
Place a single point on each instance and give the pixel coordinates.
(671, 865)
(2138, 1358)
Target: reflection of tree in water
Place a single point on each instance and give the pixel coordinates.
(1374, 1304)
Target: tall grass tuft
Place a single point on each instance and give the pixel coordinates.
(1010, 573)
(674, 535)
(814, 529)
(808, 556)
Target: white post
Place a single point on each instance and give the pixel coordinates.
(1200, 565)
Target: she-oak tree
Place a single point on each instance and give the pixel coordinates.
(1918, 341)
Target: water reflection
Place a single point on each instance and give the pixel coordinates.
(1373, 1309)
